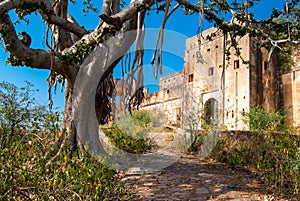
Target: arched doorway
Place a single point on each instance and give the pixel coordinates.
(210, 112)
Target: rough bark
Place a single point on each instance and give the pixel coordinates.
(105, 87)
(68, 125)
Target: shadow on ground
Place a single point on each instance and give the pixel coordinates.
(192, 179)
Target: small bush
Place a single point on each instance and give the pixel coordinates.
(27, 132)
(276, 155)
(260, 120)
(128, 143)
(138, 123)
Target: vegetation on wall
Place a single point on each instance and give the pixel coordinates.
(284, 58)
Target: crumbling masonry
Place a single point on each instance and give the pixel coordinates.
(214, 89)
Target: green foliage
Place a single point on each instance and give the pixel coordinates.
(260, 120)
(284, 58)
(139, 122)
(82, 50)
(14, 60)
(28, 132)
(128, 143)
(277, 156)
(133, 125)
(19, 112)
(130, 131)
(88, 6)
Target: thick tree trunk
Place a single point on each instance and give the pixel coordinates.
(104, 63)
(68, 133)
(68, 126)
(69, 136)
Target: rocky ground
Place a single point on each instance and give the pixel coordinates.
(192, 178)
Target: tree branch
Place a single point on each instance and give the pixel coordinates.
(106, 10)
(118, 19)
(64, 23)
(132, 9)
(34, 58)
(47, 14)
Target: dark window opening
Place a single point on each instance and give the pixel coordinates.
(210, 111)
(294, 75)
(236, 64)
(211, 71)
(168, 91)
(191, 77)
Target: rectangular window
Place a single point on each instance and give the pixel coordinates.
(191, 77)
(294, 75)
(236, 84)
(211, 71)
(236, 64)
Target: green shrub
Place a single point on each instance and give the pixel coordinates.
(276, 155)
(260, 120)
(139, 123)
(128, 143)
(27, 133)
(134, 124)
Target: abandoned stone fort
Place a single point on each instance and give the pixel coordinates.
(215, 90)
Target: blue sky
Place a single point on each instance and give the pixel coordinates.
(182, 27)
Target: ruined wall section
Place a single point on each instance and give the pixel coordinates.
(264, 78)
(291, 91)
(205, 63)
(217, 90)
(171, 86)
(269, 82)
(167, 100)
(255, 76)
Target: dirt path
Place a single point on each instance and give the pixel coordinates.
(193, 179)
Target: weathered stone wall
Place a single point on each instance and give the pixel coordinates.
(168, 99)
(203, 58)
(237, 82)
(228, 86)
(218, 89)
(291, 95)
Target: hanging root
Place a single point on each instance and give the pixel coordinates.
(157, 54)
(133, 92)
(104, 94)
